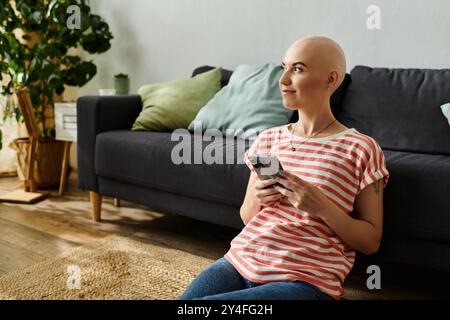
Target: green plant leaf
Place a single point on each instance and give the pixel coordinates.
(80, 74)
(46, 66)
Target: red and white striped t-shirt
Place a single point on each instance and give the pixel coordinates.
(282, 243)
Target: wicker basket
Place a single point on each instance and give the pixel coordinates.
(47, 171)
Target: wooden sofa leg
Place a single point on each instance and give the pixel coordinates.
(116, 202)
(96, 203)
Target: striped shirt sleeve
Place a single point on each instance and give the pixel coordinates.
(374, 167)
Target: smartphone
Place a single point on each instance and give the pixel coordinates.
(266, 167)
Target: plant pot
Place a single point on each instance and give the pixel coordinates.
(122, 85)
(49, 158)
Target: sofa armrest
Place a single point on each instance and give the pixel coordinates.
(96, 114)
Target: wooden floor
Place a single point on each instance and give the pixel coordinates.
(32, 233)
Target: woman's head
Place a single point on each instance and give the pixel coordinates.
(314, 67)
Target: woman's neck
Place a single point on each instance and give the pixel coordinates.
(311, 121)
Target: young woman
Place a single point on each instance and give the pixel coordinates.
(300, 238)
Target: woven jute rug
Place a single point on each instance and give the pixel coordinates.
(114, 267)
(118, 267)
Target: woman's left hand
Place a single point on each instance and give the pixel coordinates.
(302, 194)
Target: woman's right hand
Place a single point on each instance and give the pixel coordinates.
(266, 196)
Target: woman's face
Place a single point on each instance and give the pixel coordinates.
(303, 82)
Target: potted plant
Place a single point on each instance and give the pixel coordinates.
(41, 50)
(121, 83)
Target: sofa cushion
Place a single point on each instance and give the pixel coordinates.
(171, 105)
(400, 108)
(145, 159)
(251, 102)
(417, 198)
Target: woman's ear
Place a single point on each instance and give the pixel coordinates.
(333, 77)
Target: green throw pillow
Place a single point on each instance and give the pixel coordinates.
(251, 102)
(171, 105)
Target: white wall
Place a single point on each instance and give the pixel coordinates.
(160, 40)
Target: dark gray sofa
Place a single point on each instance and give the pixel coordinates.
(397, 107)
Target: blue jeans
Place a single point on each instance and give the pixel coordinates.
(221, 281)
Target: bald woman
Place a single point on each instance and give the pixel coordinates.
(314, 68)
(300, 237)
